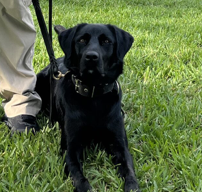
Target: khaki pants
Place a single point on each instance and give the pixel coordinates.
(17, 77)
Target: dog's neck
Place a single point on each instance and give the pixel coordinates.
(93, 91)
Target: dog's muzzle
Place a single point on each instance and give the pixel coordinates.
(91, 63)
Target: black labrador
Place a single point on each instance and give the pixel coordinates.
(87, 100)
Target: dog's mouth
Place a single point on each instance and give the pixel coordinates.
(90, 71)
(92, 76)
(94, 73)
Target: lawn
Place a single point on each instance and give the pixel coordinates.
(162, 86)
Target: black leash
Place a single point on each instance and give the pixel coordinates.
(48, 42)
(50, 19)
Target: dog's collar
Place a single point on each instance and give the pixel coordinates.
(93, 91)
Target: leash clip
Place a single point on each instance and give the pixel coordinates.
(60, 75)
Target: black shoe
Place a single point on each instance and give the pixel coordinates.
(21, 123)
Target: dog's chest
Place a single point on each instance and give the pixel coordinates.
(93, 112)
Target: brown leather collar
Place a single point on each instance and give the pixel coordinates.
(93, 91)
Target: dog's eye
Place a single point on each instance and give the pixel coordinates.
(106, 41)
(82, 40)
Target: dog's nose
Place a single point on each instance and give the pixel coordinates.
(92, 56)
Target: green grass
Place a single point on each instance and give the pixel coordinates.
(162, 96)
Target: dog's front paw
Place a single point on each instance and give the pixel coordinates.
(131, 185)
(83, 186)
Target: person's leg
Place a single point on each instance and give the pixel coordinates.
(17, 77)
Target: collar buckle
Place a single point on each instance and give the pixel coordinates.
(77, 84)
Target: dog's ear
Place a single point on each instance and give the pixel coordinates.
(59, 29)
(66, 37)
(124, 41)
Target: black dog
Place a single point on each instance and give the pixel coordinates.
(87, 101)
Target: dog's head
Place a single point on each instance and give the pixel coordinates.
(94, 52)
